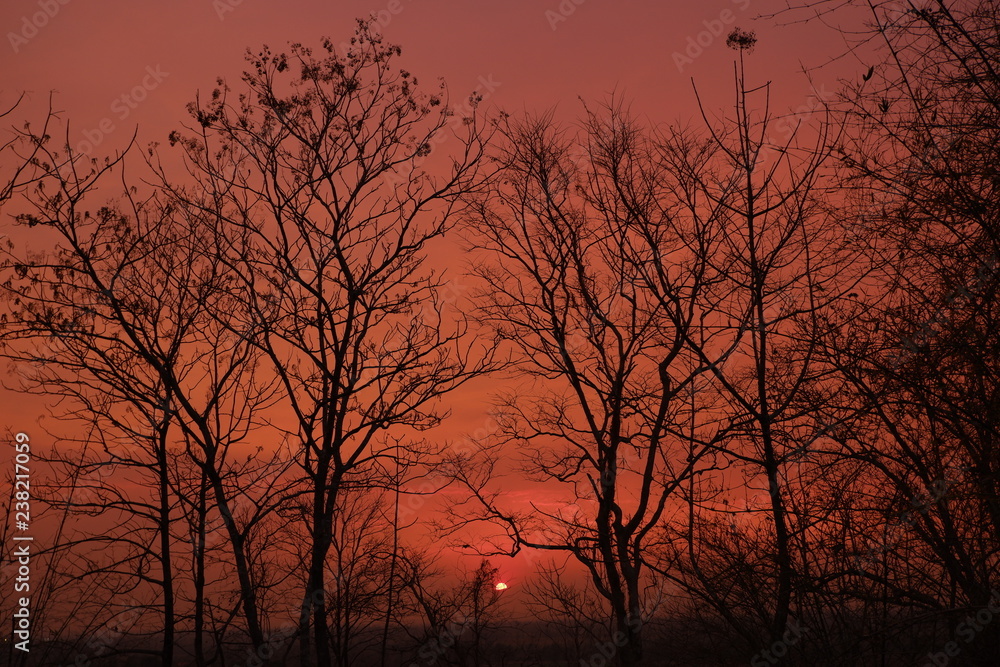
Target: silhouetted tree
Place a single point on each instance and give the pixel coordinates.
(779, 263)
(116, 321)
(563, 242)
(919, 160)
(325, 218)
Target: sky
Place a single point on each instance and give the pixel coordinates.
(138, 63)
(115, 67)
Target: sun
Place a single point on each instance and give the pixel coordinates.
(500, 586)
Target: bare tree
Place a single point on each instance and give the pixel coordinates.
(920, 365)
(449, 624)
(21, 153)
(574, 615)
(325, 220)
(779, 263)
(116, 320)
(563, 243)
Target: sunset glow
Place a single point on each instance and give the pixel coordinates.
(320, 321)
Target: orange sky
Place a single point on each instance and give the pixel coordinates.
(119, 64)
(92, 53)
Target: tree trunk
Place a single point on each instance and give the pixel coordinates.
(165, 555)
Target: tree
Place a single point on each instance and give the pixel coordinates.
(562, 242)
(18, 156)
(573, 615)
(779, 264)
(913, 362)
(922, 365)
(325, 217)
(127, 319)
(21, 153)
(449, 625)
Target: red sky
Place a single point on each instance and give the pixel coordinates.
(537, 53)
(92, 53)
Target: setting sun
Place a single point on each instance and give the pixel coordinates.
(501, 586)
